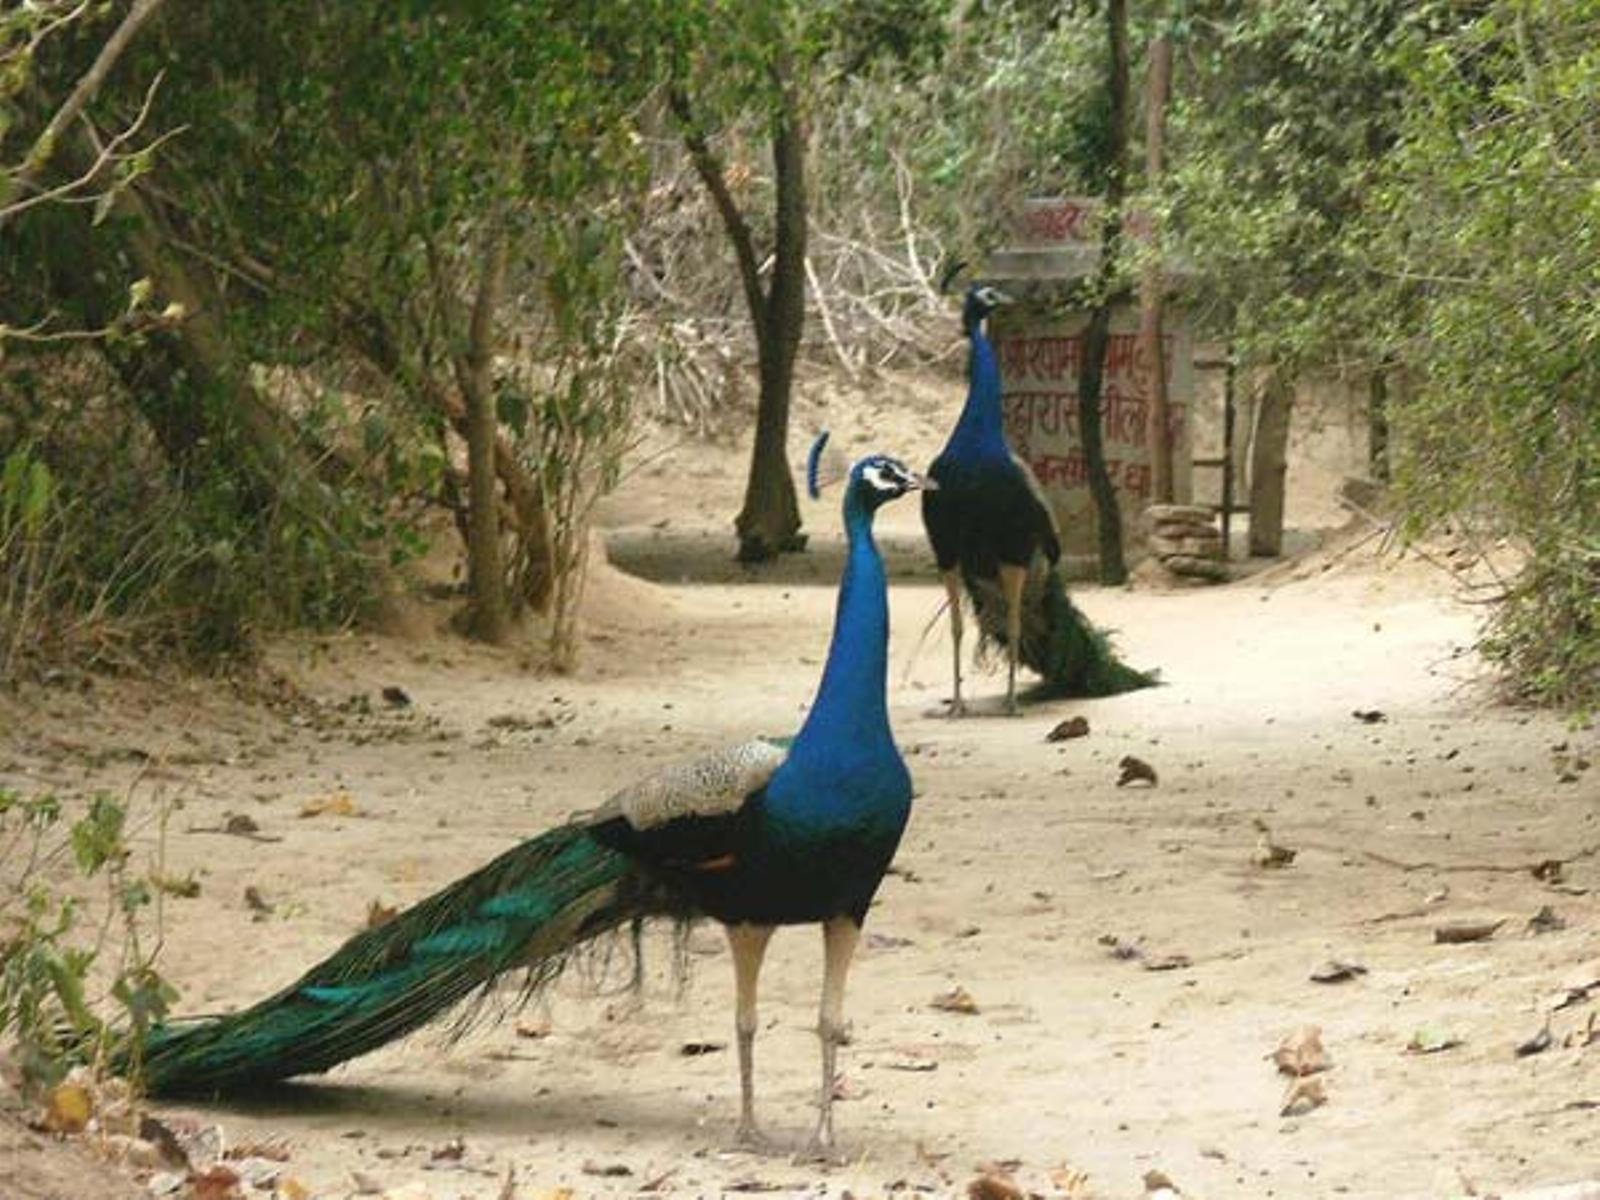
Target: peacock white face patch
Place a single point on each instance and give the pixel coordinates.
(992, 297)
(887, 477)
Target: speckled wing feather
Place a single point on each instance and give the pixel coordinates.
(1032, 480)
(711, 786)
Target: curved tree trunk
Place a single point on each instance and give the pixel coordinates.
(769, 522)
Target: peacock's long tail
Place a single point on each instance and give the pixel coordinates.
(527, 908)
(1059, 643)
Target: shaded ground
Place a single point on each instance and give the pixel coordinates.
(1021, 858)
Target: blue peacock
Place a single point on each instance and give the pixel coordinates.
(994, 536)
(755, 837)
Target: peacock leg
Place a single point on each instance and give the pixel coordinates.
(952, 592)
(839, 938)
(636, 936)
(1012, 580)
(749, 945)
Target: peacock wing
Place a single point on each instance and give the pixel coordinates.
(1044, 513)
(690, 813)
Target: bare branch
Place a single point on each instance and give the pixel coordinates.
(87, 88)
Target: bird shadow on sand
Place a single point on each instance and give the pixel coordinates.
(660, 1124)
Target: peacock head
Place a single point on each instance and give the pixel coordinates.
(871, 483)
(982, 299)
(878, 479)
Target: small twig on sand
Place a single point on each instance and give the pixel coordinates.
(1498, 868)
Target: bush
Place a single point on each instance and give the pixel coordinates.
(58, 943)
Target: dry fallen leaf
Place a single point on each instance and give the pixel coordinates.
(605, 1170)
(216, 1183)
(1546, 920)
(1071, 1183)
(846, 1088)
(1157, 1183)
(1432, 1041)
(1072, 727)
(1301, 1053)
(68, 1108)
(994, 1187)
(956, 1000)
(185, 887)
(1537, 1044)
(291, 1188)
(337, 804)
(1335, 971)
(696, 1049)
(379, 913)
(1268, 854)
(1304, 1094)
(1466, 931)
(1135, 770)
(533, 1029)
(1167, 962)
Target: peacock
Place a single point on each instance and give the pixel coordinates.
(755, 837)
(994, 536)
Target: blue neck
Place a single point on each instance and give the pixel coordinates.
(979, 434)
(850, 704)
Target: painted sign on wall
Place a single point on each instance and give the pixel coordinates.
(1041, 362)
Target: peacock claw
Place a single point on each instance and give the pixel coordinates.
(957, 708)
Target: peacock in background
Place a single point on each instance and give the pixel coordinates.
(994, 535)
(755, 836)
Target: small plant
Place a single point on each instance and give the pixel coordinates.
(78, 981)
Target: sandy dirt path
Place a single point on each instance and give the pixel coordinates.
(1022, 861)
(1021, 856)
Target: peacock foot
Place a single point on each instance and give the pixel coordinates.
(955, 709)
(750, 1138)
(822, 1149)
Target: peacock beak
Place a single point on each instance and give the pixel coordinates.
(923, 483)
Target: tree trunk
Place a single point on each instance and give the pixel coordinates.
(1152, 286)
(1269, 457)
(1097, 337)
(1091, 387)
(489, 619)
(1378, 423)
(372, 335)
(185, 379)
(769, 522)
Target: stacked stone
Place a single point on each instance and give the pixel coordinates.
(1185, 540)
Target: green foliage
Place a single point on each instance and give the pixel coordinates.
(77, 981)
(107, 560)
(1275, 135)
(1409, 189)
(1483, 237)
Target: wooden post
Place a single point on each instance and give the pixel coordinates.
(1269, 460)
